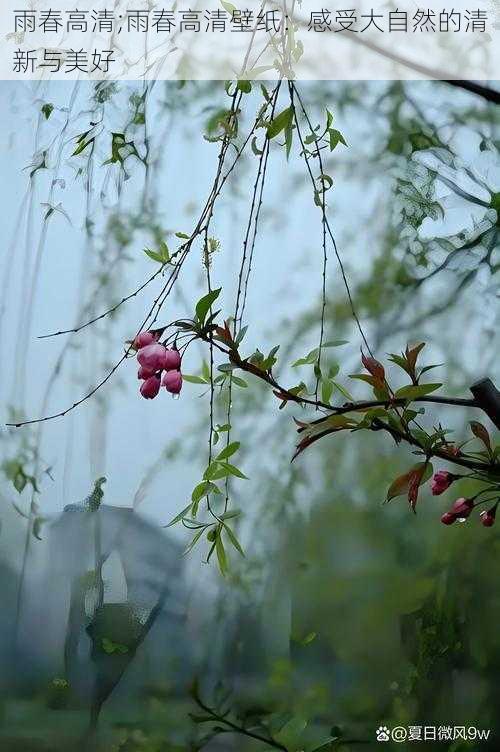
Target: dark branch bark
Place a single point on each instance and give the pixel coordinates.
(490, 95)
(487, 396)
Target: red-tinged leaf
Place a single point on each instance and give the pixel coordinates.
(303, 444)
(224, 333)
(373, 367)
(410, 482)
(365, 377)
(452, 450)
(481, 432)
(413, 353)
(413, 487)
(399, 486)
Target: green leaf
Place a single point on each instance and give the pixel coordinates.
(228, 451)
(204, 304)
(193, 379)
(343, 391)
(221, 554)
(234, 540)
(258, 152)
(336, 343)
(182, 235)
(111, 647)
(309, 359)
(82, 144)
(47, 110)
(164, 252)
(233, 470)
(308, 638)
(178, 517)
(194, 541)
(326, 180)
(333, 370)
(280, 122)
(239, 382)
(229, 515)
(154, 255)
(335, 138)
(228, 6)
(244, 86)
(418, 390)
(326, 390)
(288, 139)
(203, 489)
(240, 335)
(20, 481)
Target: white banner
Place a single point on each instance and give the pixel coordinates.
(215, 39)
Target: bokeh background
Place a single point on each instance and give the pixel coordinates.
(344, 612)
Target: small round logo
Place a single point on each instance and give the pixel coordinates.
(382, 734)
(399, 734)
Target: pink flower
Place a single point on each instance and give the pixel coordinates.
(172, 360)
(172, 380)
(488, 518)
(150, 387)
(152, 357)
(441, 481)
(145, 373)
(462, 508)
(143, 339)
(448, 518)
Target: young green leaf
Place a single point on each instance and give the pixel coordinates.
(413, 391)
(233, 470)
(280, 122)
(194, 541)
(228, 451)
(221, 553)
(193, 379)
(240, 382)
(204, 304)
(178, 517)
(244, 86)
(234, 540)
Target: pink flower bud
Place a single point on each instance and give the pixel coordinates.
(172, 380)
(152, 357)
(172, 360)
(488, 518)
(143, 339)
(441, 481)
(448, 518)
(150, 387)
(462, 508)
(145, 373)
